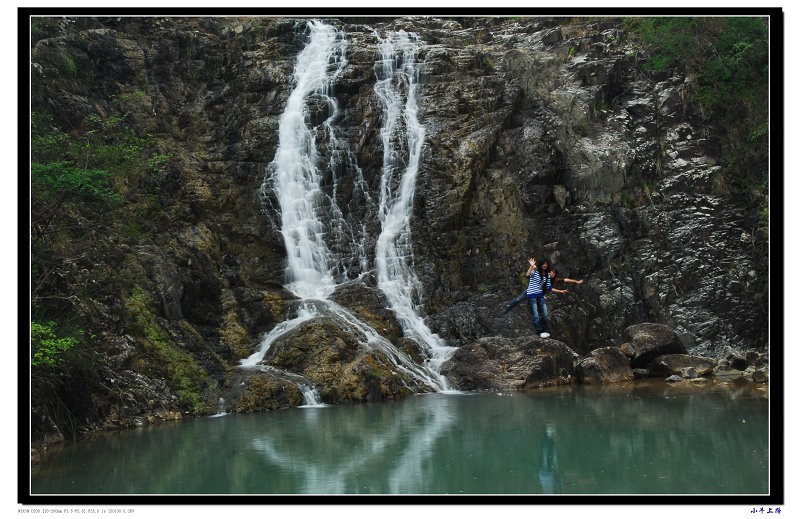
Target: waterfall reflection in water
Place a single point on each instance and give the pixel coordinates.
(642, 438)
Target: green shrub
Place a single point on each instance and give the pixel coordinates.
(107, 152)
(63, 178)
(46, 346)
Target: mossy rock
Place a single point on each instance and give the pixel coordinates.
(265, 392)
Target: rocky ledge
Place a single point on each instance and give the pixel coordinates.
(646, 350)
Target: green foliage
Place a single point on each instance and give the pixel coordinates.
(64, 178)
(108, 144)
(726, 61)
(46, 346)
(65, 64)
(627, 201)
(728, 56)
(96, 164)
(157, 161)
(112, 143)
(737, 71)
(47, 142)
(79, 178)
(669, 40)
(601, 106)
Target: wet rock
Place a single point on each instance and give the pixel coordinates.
(628, 349)
(728, 374)
(510, 364)
(736, 360)
(370, 304)
(650, 341)
(760, 376)
(264, 392)
(342, 363)
(605, 366)
(688, 366)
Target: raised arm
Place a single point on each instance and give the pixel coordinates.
(531, 267)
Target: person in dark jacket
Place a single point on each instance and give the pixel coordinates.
(554, 279)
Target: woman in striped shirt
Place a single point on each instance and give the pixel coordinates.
(538, 283)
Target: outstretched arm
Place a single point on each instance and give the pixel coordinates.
(531, 266)
(576, 281)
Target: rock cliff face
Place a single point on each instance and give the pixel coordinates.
(542, 138)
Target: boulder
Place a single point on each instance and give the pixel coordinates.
(502, 363)
(761, 376)
(263, 392)
(604, 366)
(722, 374)
(628, 350)
(687, 366)
(651, 340)
(342, 363)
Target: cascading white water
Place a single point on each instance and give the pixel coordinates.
(305, 313)
(365, 334)
(220, 409)
(310, 396)
(403, 137)
(295, 177)
(310, 219)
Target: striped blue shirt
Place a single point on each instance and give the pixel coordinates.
(536, 285)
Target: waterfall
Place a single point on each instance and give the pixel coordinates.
(311, 396)
(321, 246)
(294, 174)
(305, 313)
(398, 74)
(220, 409)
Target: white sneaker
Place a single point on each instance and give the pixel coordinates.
(544, 335)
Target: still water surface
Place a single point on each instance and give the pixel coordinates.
(641, 438)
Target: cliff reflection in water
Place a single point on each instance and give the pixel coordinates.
(640, 438)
